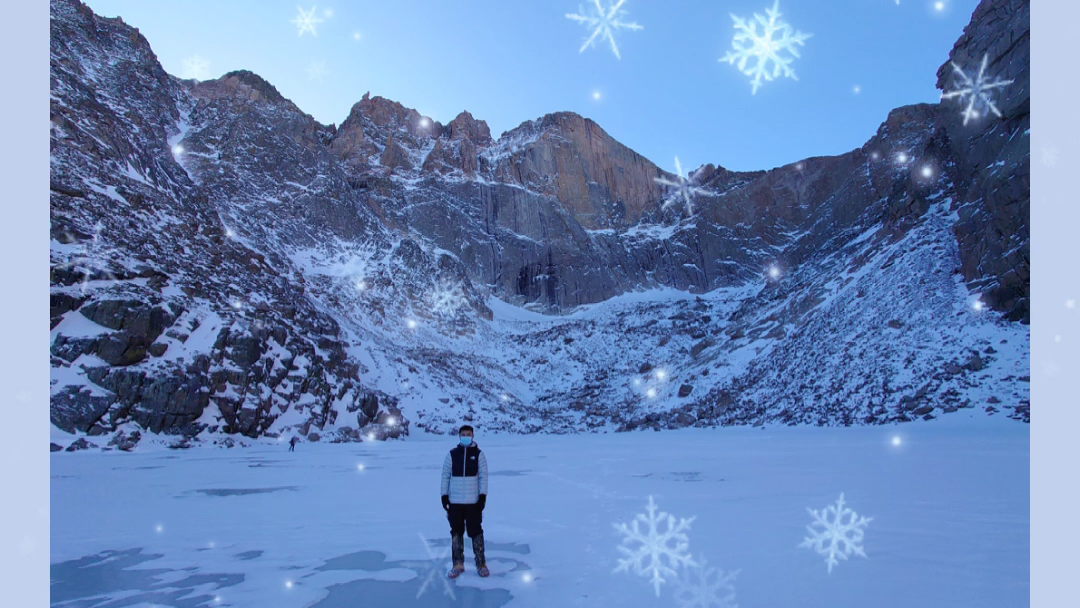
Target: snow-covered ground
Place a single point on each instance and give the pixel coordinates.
(344, 524)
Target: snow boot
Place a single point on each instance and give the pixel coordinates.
(456, 571)
(457, 548)
(478, 553)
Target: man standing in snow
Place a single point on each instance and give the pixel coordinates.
(464, 494)
(292, 444)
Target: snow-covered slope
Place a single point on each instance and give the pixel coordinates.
(222, 264)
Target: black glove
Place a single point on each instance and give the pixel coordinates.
(446, 502)
(482, 501)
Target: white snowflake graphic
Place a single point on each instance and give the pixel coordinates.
(434, 569)
(776, 37)
(683, 187)
(604, 22)
(306, 21)
(976, 92)
(92, 261)
(838, 537)
(316, 70)
(702, 587)
(447, 298)
(653, 546)
(196, 67)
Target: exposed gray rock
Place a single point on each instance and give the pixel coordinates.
(72, 409)
(696, 349)
(553, 214)
(992, 156)
(80, 444)
(125, 441)
(975, 363)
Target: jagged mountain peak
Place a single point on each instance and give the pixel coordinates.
(223, 263)
(245, 84)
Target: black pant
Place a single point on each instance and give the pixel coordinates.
(462, 518)
(465, 517)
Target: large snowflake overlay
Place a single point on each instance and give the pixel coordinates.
(92, 261)
(316, 70)
(838, 537)
(705, 587)
(306, 21)
(683, 187)
(775, 38)
(447, 298)
(976, 92)
(435, 567)
(604, 22)
(653, 546)
(196, 67)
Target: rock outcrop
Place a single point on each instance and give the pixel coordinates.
(223, 263)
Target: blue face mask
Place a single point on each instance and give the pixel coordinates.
(465, 441)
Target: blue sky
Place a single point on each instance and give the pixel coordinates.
(511, 61)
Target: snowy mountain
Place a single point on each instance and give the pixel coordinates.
(223, 264)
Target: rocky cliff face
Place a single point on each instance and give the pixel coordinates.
(992, 156)
(223, 262)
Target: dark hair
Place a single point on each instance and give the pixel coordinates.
(464, 428)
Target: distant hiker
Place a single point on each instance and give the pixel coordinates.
(464, 494)
(292, 443)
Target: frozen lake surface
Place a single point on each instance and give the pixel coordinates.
(334, 525)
